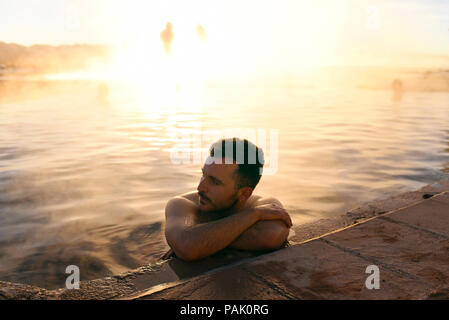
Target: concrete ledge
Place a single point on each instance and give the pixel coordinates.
(314, 229)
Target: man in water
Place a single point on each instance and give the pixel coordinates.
(224, 212)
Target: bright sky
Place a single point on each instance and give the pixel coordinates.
(280, 34)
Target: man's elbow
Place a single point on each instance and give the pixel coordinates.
(186, 256)
(183, 251)
(277, 238)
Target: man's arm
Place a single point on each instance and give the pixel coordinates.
(192, 242)
(263, 235)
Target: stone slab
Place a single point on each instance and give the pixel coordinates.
(317, 270)
(18, 291)
(392, 246)
(431, 215)
(228, 284)
(398, 201)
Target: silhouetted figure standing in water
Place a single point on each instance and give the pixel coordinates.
(167, 37)
(398, 90)
(201, 33)
(103, 94)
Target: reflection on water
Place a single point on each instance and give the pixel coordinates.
(85, 182)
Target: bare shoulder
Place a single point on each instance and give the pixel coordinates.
(191, 196)
(180, 214)
(180, 206)
(267, 200)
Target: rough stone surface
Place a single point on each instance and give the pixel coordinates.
(415, 253)
(17, 291)
(431, 215)
(311, 230)
(231, 283)
(398, 201)
(314, 229)
(317, 270)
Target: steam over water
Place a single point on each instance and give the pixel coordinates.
(85, 171)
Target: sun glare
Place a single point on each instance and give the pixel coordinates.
(168, 51)
(162, 77)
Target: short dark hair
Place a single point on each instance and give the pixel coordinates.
(250, 163)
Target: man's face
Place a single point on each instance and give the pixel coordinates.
(217, 187)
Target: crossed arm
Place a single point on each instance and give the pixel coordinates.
(265, 227)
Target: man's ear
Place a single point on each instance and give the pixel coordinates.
(245, 193)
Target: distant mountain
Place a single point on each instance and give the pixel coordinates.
(46, 58)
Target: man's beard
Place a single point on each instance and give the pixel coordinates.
(229, 209)
(225, 211)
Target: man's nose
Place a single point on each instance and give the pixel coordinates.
(202, 185)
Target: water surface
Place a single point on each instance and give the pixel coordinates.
(85, 173)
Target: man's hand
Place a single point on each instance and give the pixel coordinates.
(273, 211)
(270, 231)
